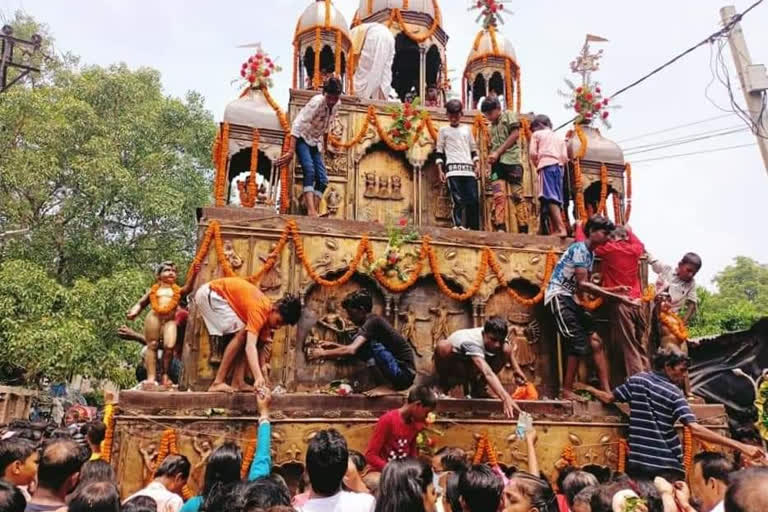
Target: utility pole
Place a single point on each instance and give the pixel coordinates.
(753, 78)
(9, 59)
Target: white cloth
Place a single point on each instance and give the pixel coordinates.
(457, 145)
(469, 343)
(720, 507)
(166, 500)
(341, 502)
(314, 120)
(218, 315)
(373, 76)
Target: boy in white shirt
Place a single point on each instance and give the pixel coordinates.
(457, 162)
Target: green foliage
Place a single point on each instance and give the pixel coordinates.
(741, 299)
(100, 176)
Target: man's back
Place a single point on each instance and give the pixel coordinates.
(341, 502)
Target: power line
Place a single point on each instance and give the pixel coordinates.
(682, 142)
(673, 128)
(723, 31)
(679, 155)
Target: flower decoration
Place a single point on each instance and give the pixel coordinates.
(395, 255)
(762, 410)
(406, 122)
(258, 70)
(588, 103)
(490, 11)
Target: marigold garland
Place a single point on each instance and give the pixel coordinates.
(312, 273)
(675, 324)
(616, 207)
(285, 198)
(569, 455)
(249, 193)
(415, 272)
(371, 118)
(168, 308)
(485, 448)
(271, 260)
(628, 209)
(519, 92)
(649, 293)
(316, 78)
(578, 185)
(687, 449)
(106, 444)
(337, 67)
(621, 466)
(525, 128)
(221, 152)
(397, 15)
(473, 288)
(507, 81)
(248, 454)
(548, 269)
(601, 207)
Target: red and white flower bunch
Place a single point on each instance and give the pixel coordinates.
(490, 11)
(588, 103)
(258, 70)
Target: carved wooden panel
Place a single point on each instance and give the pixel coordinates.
(436, 204)
(385, 187)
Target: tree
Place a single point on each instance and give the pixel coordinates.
(100, 176)
(741, 299)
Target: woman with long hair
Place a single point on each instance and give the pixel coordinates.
(406, 486)
(528, 493)
(450, 497)
(222, 468)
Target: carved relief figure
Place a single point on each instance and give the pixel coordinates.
(273, 279)
(440, 330)
(235, 261)
(397, 186)
(383, 188)
(522, 339)
(443, 205)
(333, 202)
(408, 330)
(370, 185)
(203, 448)
(263, 195)
(148, 458)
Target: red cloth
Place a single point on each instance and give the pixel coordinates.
(620, 262)
(562, 503)
(392, 438)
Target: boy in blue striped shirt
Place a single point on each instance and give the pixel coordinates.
(656, 405)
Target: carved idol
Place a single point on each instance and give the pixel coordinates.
(440, 329)
(263, 194)
(370, 185)
(383, 187)
(235, 261)
(397, 185)
(333, 201)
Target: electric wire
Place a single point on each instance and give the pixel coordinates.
(680, 155)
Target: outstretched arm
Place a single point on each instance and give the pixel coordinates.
(510, 406)
(701, 432)
(189, 285)
(582, 280)
(533, 460)
(138, 307)
(335, 350)
(262, 462)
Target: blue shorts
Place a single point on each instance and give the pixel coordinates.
(551, 184)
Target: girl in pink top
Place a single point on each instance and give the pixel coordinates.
(549, 154)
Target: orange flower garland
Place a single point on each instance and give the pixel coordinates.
(616, 207)
(578, 185)
(248, 199)
(106, 444)
(271, 260)
(675, 324)
(687, 449)
(525, 128)
(473, 288)
(248, 453)
(485, 449)
(628, 174)
(621, 466)
(519, 92)
(601, 207)
(569, 455)
(168, 308)
(285, 198)
(415, 273)
(297, 243)
(550, 266)
(507, 81)
(371, 118)
(649, 293)
(317, 79)
(397, 15)
(337, 66)
(221, 150)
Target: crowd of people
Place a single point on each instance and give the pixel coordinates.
(48, 469)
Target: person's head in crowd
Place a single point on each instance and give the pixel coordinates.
(602, 473)
(358, 305)
(710, 478)
(672, 362)
(265, 493)
(173, 473)
(649, 493)
(11, 498)
(421, 401)
(332, 89)
(450, 497)
(581, 502)
(140, 504)
(286, 311)
(525, 493)
(495, 332)
(747, 492)
(491, 109)
(96, 471)
(96, 431)
(59, 469)
(372, 481)
(598, 230)
(226, 497)
(602, 499)
(18, 460)
(222, 467)
(454, 110)
(327, 459)
(449, 458)
(406, 484)
(480, 489)
(689, 266)
(96, 497)
(575, 482)
(358, 459)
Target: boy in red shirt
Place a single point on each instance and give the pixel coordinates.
(395, 434)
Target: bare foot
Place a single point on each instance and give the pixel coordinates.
(221, 387)
(567, 394)
(149, 385)
(382, 391)
(243, 388)
(167, 382)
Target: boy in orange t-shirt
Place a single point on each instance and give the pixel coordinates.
(234, 305)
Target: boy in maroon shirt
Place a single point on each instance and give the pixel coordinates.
(394, 436)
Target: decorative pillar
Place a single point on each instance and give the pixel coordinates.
(422, 73)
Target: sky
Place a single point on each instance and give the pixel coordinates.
(711, 203)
